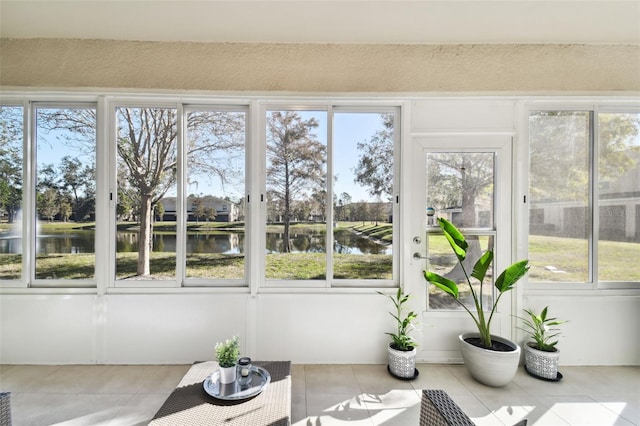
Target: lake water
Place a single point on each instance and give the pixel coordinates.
(83, 241)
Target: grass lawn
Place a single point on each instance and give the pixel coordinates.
(552, 259)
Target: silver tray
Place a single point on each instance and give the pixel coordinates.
(260, 378)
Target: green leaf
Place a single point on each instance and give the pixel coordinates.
(442, 283)
(482, 265)
(511, 275)
(455, 238)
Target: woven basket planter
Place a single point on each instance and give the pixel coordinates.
(402, 364)
(540, 363)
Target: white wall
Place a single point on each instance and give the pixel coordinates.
(39, 326)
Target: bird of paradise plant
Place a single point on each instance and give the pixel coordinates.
(505, 281)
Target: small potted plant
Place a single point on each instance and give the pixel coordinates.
(402, 348)
(490, 359)
(227, 354)
(541, 355)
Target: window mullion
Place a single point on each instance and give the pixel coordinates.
(329, 211)
(593, 200)
(181, 224)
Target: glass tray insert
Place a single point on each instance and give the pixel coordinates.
(260, 378)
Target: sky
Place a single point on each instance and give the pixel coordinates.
(349, 129)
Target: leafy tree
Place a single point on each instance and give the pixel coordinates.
(48, 206)
(375, 165)
(198, 208)
(10, 160)
(343, 206)
(78, 180)
(296, 161)
(458, 180)
(159, 210)
(559, 152)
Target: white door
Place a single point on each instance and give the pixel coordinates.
(467, 180)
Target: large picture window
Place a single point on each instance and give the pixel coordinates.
(174, 184)
(584, 196)
(330, 179)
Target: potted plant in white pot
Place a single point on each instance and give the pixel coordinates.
(227, 354)
(491, 360)
(541, 355)
(402, 348)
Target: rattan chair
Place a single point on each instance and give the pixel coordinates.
(5, 408)
(438, 409)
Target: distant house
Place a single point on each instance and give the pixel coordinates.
(619, 212)
(204, 209)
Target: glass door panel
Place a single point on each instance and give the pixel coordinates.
(460, 188)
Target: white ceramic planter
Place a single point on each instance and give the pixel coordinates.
(227, 374)
(402, 364)
(492, 368)
(540, 363)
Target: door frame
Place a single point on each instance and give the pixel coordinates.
(441, 328)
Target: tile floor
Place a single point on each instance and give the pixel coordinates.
(110, 395)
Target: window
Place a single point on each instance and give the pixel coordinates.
(331, 197)
(65, 152)
(146, 173)
(571, 165)
(296, 231)
(177, 181)
(11, 157)
(363, 200)
(215, 188)
(618, 196)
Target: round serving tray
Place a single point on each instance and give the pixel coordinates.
(260, 378)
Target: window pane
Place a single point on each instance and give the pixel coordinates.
(146, 172)
(65, 193)
(444, 262)
(460, 188)
(619, 197)
(363, 147)
(559, 221)
(296, 195)
(11, 119)
(215, 195)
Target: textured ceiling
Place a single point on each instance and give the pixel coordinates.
(323, 21)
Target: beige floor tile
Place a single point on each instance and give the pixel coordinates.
(325, 395)
(436, 376)
(376, 379)
(335, 408)
(396, 407)
(339, 379)
(35, 409)
(628, 407)
(25, 378)
(138, 409)
(584, 411)
(477, 388)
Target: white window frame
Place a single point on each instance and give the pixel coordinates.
(331, 108)
(594, 107)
